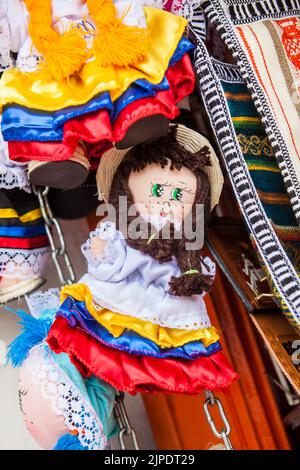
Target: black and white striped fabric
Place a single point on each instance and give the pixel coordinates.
(215, 13)
(282, 273)
(247, 11)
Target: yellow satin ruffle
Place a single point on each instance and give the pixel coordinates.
(34, 91)
(117, 323)
(30, 216)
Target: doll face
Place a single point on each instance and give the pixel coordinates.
(44, 425)
(163, 195)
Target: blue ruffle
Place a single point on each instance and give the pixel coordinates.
(24, 124)
(22, 232)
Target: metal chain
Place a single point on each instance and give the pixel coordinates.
(59, 253)
(224, 433)
(126, 430)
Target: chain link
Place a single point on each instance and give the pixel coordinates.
(224, 433)
(126, 430)
(59, 253)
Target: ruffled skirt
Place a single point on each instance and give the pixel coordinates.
(132, 373)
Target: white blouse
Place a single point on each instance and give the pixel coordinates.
(132, 283)
(14, 26)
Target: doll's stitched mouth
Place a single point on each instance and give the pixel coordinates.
(163, 214)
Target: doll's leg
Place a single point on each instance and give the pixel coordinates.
(66, 174)
(145, 129)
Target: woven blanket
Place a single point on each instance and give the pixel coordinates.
(269, 231)
(264, 37)
(263, 168)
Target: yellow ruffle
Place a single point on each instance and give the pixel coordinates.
(116, 323)
(27, 89)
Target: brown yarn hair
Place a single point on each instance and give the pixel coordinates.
(163, 151)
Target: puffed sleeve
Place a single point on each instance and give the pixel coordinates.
(106, 231)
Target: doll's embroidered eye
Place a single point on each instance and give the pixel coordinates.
(176, 194)
(157, 190)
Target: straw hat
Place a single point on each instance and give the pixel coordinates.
(189, 139)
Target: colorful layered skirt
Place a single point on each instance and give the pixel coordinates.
(45, 120)
(133, 355)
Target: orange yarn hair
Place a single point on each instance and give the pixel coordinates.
(63, 54)
(115, 43)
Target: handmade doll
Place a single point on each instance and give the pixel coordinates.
(72, 55)
(137, 318)
(61, 410)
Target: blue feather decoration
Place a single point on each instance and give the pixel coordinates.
(69, 442)
(33, 332)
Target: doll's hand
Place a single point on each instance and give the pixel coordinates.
(97, 246)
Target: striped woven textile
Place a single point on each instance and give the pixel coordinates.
(264, 37)
(283, 276)
(263, 168)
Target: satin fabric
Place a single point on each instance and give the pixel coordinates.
(24, 243)
(22, 124)
(77, 315)
(117, 323)
(35, 91)
(11, 215)
(94, 128)
(133, 374)
(19, 123)
(18, 231)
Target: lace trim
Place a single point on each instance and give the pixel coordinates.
(13, 177)
(179, 321)
(23, 263)
(66, 399)
(39, 302)
(107, 231)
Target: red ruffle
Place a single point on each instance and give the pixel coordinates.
(181, 78)
(163, 103)
(96, 127)
(24, 243)
(131, 373)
